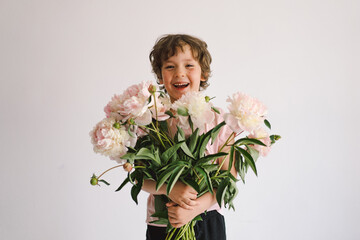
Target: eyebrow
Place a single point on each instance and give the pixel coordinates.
(185, 60)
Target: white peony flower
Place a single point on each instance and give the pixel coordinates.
(193, 105)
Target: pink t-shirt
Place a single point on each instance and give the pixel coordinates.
(211, 149)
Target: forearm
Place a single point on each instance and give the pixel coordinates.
(150, 187)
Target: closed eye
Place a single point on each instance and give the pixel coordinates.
(189, 65)
(169, 67)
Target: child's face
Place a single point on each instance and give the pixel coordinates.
(181, 73)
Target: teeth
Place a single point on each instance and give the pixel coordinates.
(180, 84)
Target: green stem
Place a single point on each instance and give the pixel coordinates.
(156, 113)
(227, 141)
(109, 170)
(158, 134)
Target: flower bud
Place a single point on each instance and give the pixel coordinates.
(152, 89)
(207, 98)
(131, 121)
(182, 111)
(277, 137)
(116, 125)
(128, 167)
(94, 180)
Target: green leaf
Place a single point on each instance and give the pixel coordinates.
(232, 177)
(207, 158)
(174, 177)
(215, 110)
(248, 159)
(193, 140)
(131, 176)
(170, 114)
(161, 221)
(129, 156)
(192, 184)
(207, 178)
(148, 175)
(253, 152)
(145, 153)
(231, 158)
(210, 167)
(197, 218)
(180, 134)
(160, 203)
(232, 193)
(186, 150)
(182, 111)
(135, 190)
(161, 214)
(239, 165)
(220, 193)
(103, 181)
(184, 147)
(122, 185)
(215, 131)
(164, 176)
(191, 124)
(170, 152)
(203, 144)
(267, 123)
(246, 141)
(157, 156)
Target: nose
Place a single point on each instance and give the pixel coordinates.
(180, 73)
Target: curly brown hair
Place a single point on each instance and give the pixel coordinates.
(168, 45)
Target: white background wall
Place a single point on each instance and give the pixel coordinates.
(61, 61)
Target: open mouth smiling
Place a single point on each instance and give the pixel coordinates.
(181, 85)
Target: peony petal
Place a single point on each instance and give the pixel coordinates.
(232, 122)
(145, 119)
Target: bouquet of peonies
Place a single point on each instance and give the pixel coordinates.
(136, 133)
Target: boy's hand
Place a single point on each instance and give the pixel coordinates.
(183, 195)
(179, 216)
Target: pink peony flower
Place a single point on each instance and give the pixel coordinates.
(110, 141)
(245, 113)
(264, 137)
(112, 109)
(133, 103)
(197, 108)
(163, 104)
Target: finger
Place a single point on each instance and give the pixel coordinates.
(190, 203)
(175, 223)
(172, 215)
(193, 191)
(173, 219)
(192, 196)
(170, 204)
(186, 206)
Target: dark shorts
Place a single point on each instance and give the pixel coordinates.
(212, 227)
